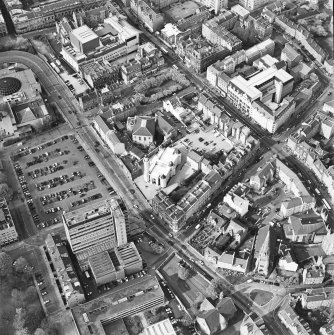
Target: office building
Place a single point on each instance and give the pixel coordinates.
(97, 227)
(68, 279)
(269, 85)
(115, 39)
(93, 316)
(115, 264)
(8, 233)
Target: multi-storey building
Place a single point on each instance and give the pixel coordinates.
(144, 294)
(270, 84)
(3, 27)
(291, 56)
(46, 14)
(65, 270)
(216, 31)
(200, 54)
(8, 233)
(149, 14)
(318, 297)
(229, 64)
(328, 244)
(98, 227)
(85, 45)
(293, 322)
(313, 276)
(253, 4)
(116, 264)
(236, 198)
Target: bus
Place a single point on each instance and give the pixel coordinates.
(326, 204)
(317, 191)
(164, 50)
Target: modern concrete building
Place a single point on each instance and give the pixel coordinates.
(8, 233)
(269, 85)
(97, 227)
(144, 294)
(61, 261)
(115, 264)
(116, 39)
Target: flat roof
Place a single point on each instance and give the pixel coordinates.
(179, 11)
(105, 309)
(163, 327)
(84, 34)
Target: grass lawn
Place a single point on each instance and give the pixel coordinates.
(260, 297)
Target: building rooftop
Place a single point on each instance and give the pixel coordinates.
(84, 34)
(93, 315)
(163, 327)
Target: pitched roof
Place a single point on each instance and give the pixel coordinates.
(226, 308)
(211, 318)
(144, 127)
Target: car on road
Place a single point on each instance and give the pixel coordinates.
(44, 293)
(46, 301)
(40, 283)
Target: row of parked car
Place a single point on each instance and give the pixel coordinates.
(42, 288)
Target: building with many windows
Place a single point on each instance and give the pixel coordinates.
(143, 294)
(253, 4)
(3, 27)
(8, 233)
(97, 227)
(61, 261)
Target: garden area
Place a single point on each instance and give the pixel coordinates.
(165, 84)
(260, 297)
(21, 312)
(133, 325)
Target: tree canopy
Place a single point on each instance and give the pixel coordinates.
(215, 288)
(5, 264)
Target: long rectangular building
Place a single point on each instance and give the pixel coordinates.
(8, 233)
(134, 297)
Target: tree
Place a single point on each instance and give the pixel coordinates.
(5, 264)
(19, 321)
(17, 298)
(215, 288)
(20, 263)
(39, 331)
(184, 272)
(30, 295)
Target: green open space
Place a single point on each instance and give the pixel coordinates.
(260, 297)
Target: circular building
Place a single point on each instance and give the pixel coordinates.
(9, 85)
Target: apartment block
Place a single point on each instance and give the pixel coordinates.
(8, 233)
(236, 198)
(216, 31)
(69, 281)
(95, 228)
(318, 297)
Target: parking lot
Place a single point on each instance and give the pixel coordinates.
(58, 176)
